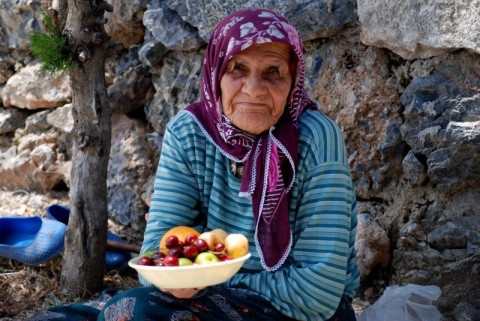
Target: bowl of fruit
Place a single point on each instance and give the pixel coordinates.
(188, 259)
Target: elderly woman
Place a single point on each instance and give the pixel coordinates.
(255, 157)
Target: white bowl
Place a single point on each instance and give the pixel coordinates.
(190, 276)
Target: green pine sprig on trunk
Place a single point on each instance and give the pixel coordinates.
(51, 48)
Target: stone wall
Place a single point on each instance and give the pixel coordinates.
(402, 79)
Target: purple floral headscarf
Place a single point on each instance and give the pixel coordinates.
(267, 156)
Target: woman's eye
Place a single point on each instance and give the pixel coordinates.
(273, 70)
(238, 67)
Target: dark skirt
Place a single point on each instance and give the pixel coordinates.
(148, 303)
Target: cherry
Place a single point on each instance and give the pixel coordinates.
(222, 256)
(219, 247)
(145, 260)
(190, 239)
(176, 251)
(201, 245)
(158, 256)
(171, 242)
(190, 252)
(158, 263)
(170, 260)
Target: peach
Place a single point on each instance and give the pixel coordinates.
(236, 245)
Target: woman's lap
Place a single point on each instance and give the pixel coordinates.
(148, 303)
(213, 304)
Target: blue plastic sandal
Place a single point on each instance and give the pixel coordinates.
(114, 260)
(30, 240)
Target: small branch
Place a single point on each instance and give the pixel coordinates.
(123, 246)
(11, 273)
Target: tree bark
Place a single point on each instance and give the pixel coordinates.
(86, 236)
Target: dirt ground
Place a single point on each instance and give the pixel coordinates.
(26, 290)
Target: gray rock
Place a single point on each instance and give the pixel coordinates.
(414, 168)
(320, 19)
(36, 166)
(11, 119)
(18, 19)
(166, 27)
(7, 63)
(152, 53)
(125, 22)
(453, 236)
(37, 122)
(128, 60)
(443, 163)
(131, 91)
(467, 312)
(314, 18)
(62, 118)
(419, 29)
(131, 165)
(445, 130)
(31, 88)
(372, 245)
(177, 85)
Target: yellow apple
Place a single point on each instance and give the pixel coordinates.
(236, 245)
(206, 258)
(220, 235)
(183, 261)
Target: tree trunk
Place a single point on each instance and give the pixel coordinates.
(86, 236)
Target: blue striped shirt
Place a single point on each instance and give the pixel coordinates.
(195, 187)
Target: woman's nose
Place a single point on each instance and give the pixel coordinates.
(254, 84)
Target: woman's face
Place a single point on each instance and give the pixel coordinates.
(256, 85)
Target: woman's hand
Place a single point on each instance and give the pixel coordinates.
(182, 293)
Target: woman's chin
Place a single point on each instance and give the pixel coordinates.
(255, 130)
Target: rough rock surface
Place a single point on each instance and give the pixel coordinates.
(418, 29)
(31, 88)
